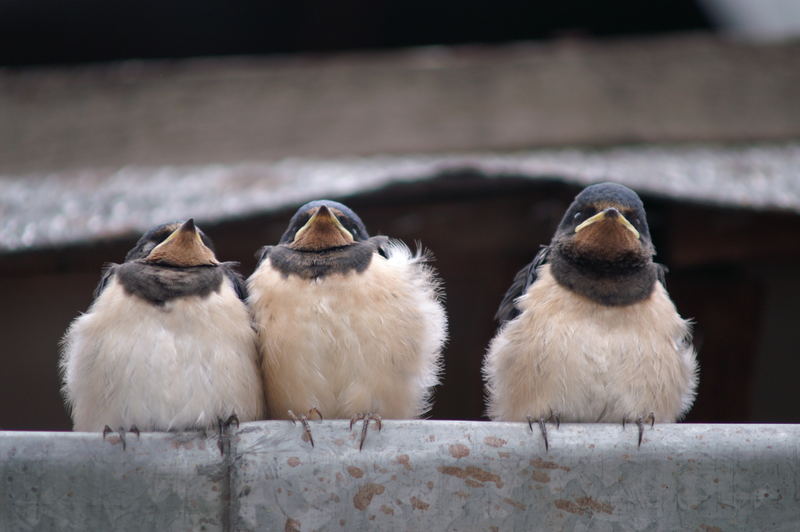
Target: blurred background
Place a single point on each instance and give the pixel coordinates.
(468, 126)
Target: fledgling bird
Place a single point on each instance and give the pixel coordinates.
(349, 325)
(167, 344)
(587, 330)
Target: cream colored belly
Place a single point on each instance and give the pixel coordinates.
(351, 343)
(180, 366)
(588, 362)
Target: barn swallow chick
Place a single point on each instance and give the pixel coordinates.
(587, 331)
(348, 325)
(167, 344)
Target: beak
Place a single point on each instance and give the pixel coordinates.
(609, 214)
(321, 220)
(184, 247)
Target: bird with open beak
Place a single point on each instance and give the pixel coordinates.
(167, 344)
(587, 331)
(349, 326)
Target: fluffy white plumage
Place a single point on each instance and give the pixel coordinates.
(178, 366)
(351, 343)
(589, 362)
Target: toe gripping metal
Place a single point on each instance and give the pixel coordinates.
(222, 430)
(542, 422)
(365, 418)
(304, 421)
(640, 422)
(121, 433)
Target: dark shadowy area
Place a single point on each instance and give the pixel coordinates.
(731, 270)
(79, 31)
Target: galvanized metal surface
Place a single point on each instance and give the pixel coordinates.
(78, 481)
(429, 475)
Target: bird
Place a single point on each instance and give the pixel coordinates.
(349, 326)
(166, 345)
(587, 331)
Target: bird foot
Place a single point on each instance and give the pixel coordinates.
(640, 422)
(365, 418)
(542, 422)
(121, 434)
(304, 421)
(222, 429)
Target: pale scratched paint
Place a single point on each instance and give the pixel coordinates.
(414, 475)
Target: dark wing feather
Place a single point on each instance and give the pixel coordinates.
(108, 272)
(229, 269)
(380, 242)
(261, 254)
(522, 281)
(661, 274)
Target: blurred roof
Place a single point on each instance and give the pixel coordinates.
(53, 210)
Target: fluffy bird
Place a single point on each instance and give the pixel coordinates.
(167, 344)
(587, 330)
(349, 326)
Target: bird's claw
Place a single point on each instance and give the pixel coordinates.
(640, 422)
(121, 434)
(304, 421)
(365, 418)
(542, 422)
(222, 428)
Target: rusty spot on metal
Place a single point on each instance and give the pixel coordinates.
(459, 450)
(453, 471)
(540, 476)
(583, 506)
(494, 529)
(484, 476)
(355, 472)
(709, 528)
(597, 506)
(338, 441)
(404, 460)
(365, 494)
(419, 504)
(470, 473)
(339, 477)
(462, 494)
(568, 506)
(432, 437)
(516, 504)
(342, 522)
(372, 517)
(473, 483)
(292, 525)
(502, 454)
(429, 484)
(543, 464)
(293, 461)
(493, 441)
(388, 510)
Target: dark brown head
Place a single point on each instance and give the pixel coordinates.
(602, 247)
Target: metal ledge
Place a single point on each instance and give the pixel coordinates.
(413, 475)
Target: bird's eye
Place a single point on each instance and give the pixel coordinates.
(578, 215)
